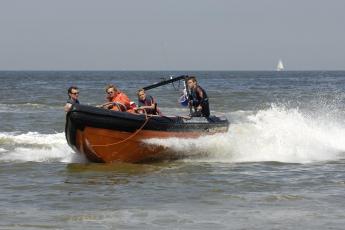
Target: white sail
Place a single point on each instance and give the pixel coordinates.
(280, 66)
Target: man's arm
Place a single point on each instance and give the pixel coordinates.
(201, 95)
(68, 107)
(202, 99)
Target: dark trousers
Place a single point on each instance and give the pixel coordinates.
(205, 111)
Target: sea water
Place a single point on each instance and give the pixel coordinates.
(280, 165)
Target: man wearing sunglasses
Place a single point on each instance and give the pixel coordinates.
(73, 94)
(118, 100)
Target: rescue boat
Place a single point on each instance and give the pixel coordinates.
(113, 136)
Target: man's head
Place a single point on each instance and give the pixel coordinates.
(141, 94)
(191, 82)
(111, 91)
(73, 92)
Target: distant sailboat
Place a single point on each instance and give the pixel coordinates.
(280, 66)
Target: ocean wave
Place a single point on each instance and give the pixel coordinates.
(274, 134)
(37, 147)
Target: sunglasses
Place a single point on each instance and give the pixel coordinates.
(77, 93)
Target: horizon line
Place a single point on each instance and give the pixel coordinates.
(138, 70)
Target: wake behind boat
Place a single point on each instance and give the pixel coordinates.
(114, 136)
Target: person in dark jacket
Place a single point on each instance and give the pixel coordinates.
(73, 94)
(147, 103)
(198, 98)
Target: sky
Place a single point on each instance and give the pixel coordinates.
(172, 34)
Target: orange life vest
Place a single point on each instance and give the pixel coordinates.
(122, 99)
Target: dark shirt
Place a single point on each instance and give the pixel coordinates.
(70, 101)
(198, 97)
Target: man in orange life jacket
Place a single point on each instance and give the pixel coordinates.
(118, 100)
(147, 103)
(198, 98)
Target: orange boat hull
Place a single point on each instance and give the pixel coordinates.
(103, 145)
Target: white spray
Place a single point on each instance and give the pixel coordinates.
(275, 134)
(37, 147)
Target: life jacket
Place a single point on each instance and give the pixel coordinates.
(197, 100)
(123, 101)
(149, 101)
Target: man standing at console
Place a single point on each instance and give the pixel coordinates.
(198, 98)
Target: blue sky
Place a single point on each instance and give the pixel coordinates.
(172, 34)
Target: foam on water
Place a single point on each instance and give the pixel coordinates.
(274, 134)
(33, 146)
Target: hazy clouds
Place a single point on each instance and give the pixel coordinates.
(171, 34)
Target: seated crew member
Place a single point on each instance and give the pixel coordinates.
(147, 103)
(73, 94)
(198, 98)
(117, 100)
